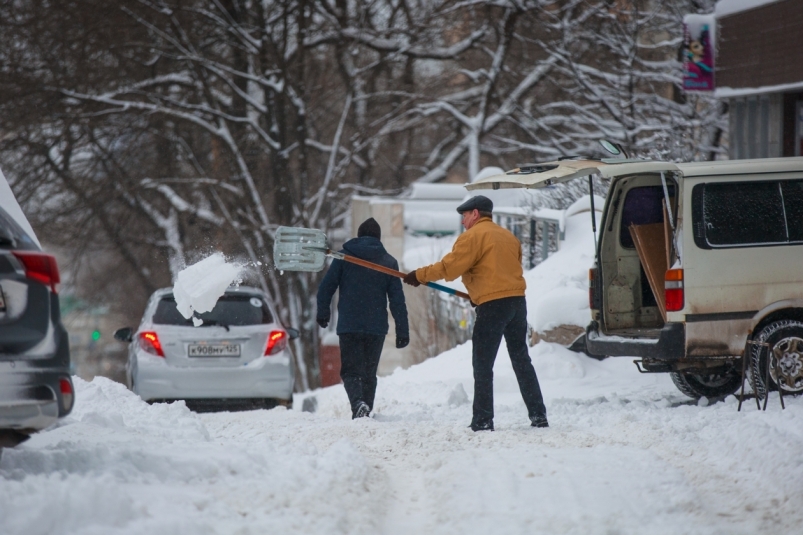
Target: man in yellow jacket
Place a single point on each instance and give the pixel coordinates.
(488, 257)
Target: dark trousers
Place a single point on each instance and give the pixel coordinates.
(359, 359)
(503, 317)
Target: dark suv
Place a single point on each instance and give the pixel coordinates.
(35, 384)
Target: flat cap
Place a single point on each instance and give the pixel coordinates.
(480, 202)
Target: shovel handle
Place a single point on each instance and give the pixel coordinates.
(394, 273)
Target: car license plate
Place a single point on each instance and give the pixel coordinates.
(2, 300)
(214, 350)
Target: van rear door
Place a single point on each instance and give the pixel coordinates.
(550, 173)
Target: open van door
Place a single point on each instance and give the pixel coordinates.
(550, 173)
(539, 175)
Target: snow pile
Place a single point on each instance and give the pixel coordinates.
(626, 453)
(557, 288)
(199, 286)
(119, 465)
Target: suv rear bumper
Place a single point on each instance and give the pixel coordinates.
(670, 344)
(28, 415)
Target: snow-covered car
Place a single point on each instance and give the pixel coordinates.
(35, 385)
(698, 267)
(238, 356)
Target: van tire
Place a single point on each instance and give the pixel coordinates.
(713, 385)
(781, 335)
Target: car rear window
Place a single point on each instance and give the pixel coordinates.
(12, 236)
(741, 214)
(230, 310)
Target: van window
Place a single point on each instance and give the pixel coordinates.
(739, 214)
(643, 206)
(793, 203)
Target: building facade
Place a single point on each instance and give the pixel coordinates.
(759, 73)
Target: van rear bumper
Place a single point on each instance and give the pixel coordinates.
(670, 344)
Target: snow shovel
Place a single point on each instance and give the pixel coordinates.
(305, 249)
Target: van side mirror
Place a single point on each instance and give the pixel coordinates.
(292, 333)
(124, 335)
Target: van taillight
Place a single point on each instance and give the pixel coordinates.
(67, 393)
(673, 288)
(593, 289)
(149, 341)
(40, 267)
(277, 341)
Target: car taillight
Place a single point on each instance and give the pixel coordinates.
(40, 267)
(67, 393)
(277, 341)
(673, 288)
(149, 341)
(592, 279)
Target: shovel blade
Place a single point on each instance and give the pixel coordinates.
(290, 253)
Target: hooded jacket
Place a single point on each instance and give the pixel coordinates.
(364, 293)
(488, 257)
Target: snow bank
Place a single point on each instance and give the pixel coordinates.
(119, 465)
(198, 287)
(557, 288)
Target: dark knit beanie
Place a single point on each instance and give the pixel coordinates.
(371, 228)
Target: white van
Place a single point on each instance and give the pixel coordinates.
(694, 262)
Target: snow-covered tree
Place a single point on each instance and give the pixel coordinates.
(157, 130)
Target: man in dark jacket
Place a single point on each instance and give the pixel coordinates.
(362, 313)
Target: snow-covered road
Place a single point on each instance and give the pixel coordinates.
(626, 453)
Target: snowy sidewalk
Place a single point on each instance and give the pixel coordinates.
(626, 454)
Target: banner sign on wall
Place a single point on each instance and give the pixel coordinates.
(699, 44)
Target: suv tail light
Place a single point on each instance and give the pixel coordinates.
(149, 341)
(277, 341)
(673, 290)
(40, 267)
(592, 286)
(67, 393)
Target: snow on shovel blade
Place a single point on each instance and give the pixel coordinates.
(290, 249)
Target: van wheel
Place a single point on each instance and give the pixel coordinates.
(711, 385)
(785, 340)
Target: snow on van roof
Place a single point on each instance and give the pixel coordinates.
(742, 167)
(550, 173)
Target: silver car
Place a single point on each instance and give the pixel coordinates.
(239, 356)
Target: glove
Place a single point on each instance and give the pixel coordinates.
(402, 341)
(411, 279)
(323, 322)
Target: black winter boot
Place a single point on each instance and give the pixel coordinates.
(538, 421)
(482, 426)
(362, 410)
